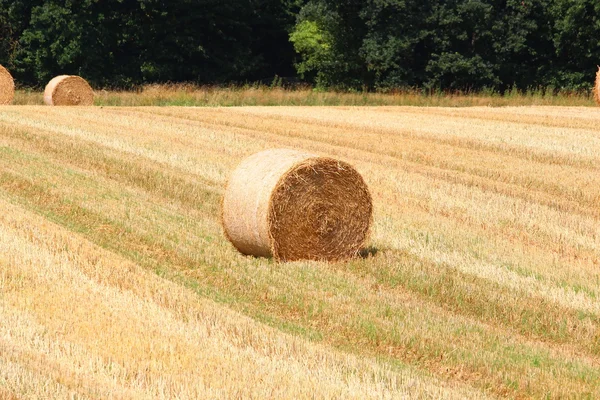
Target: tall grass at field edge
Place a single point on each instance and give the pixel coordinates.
(186, 95)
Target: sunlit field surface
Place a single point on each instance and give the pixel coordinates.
(482, 279)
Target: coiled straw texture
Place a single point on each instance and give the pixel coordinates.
(293, 205)
(7, 86)
(68, 90)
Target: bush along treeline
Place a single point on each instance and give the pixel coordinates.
(437, 45)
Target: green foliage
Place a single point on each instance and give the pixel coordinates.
(577, 42)
(456, 44)
(136, 41)
(325, 38)
(390, 48)
(126, 42)
(456, 71)
(435, 45)
(313, 44)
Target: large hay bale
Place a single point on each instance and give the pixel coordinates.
(597, 87)
(7, 86)
(68, 90)
(293, 205)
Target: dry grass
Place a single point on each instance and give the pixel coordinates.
(78, 319)
(483, 276)
(253, 95)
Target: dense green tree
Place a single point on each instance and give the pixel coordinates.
(576, 42)
(500, 44)
(130, 41)
(328, 37)
(124, 42)
(7, 39)
(393, 45)
(525, 55)
(451, 44)
(271, 23)
(460, 38)
(14, 19)
(374, 44)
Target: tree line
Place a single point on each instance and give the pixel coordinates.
(443, 45)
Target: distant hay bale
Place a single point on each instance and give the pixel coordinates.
(68, 90)
(293, 205)
(7, 86)
(597, 87)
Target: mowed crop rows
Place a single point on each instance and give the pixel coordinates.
(482, 277)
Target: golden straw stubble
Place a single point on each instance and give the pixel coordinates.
(7, 86)
(293, 206)
(68, 90)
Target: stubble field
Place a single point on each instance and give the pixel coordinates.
(481, 279)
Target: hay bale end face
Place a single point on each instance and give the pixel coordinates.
(7, 86)
(294, 206)
(68, 90)
(597, 87)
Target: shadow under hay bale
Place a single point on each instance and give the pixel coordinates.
(368, 252)
(68, 90)
(293, 206)
(7, 86)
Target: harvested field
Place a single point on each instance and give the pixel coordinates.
(481, 277)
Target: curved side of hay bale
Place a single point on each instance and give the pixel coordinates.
(7, 86)
(293, 205)
(247, 197)
(68, 90)
(51, 87)
(597, 87)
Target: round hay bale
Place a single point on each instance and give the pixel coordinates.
(293, 206)
(7, 86)
(597, 87)
(68, 90)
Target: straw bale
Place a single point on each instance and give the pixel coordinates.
(68, 90)
(293, 205)
(597, 87)
(7, 86)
